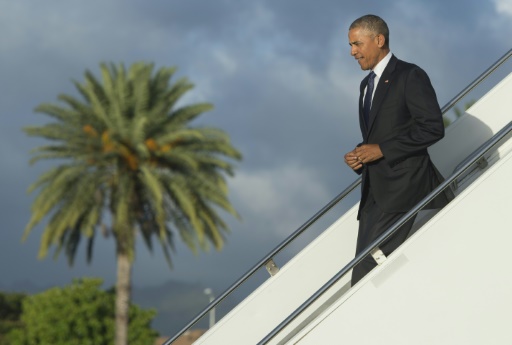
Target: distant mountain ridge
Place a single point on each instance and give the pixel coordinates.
(176, 302)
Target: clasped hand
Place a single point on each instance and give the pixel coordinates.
(363, 154)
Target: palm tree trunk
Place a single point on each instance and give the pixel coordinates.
(123, 287)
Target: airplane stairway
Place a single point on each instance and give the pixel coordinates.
(449, 283)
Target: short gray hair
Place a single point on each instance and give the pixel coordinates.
(374, 24)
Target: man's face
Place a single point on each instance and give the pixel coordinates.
(365, 47)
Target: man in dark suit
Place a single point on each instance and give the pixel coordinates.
(399, 118)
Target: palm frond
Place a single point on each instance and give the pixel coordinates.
(188, 113)
(123, 149)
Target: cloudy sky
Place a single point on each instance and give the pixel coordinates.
(283, 84)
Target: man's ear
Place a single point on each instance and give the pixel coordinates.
(381, 40)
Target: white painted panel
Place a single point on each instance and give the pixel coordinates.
(281, 294)
(451, 283)
(480, 122)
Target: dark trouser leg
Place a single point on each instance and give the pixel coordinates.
(372, 223)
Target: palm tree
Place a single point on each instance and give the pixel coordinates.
(129, 163)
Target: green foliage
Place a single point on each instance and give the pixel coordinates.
(80, 314)
(10, 314)
(125, 149)
(128, 153)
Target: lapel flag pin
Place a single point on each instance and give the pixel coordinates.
(386, 81)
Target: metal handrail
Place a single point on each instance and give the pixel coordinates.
(324, 210)
(268, 257)
(475, 156)
(477, 81)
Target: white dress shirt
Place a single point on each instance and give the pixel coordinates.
(378, 70)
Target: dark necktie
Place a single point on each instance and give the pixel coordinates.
(368, 98)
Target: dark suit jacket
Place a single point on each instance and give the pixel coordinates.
(405, 119)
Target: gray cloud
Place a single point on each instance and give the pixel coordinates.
(283, 85)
